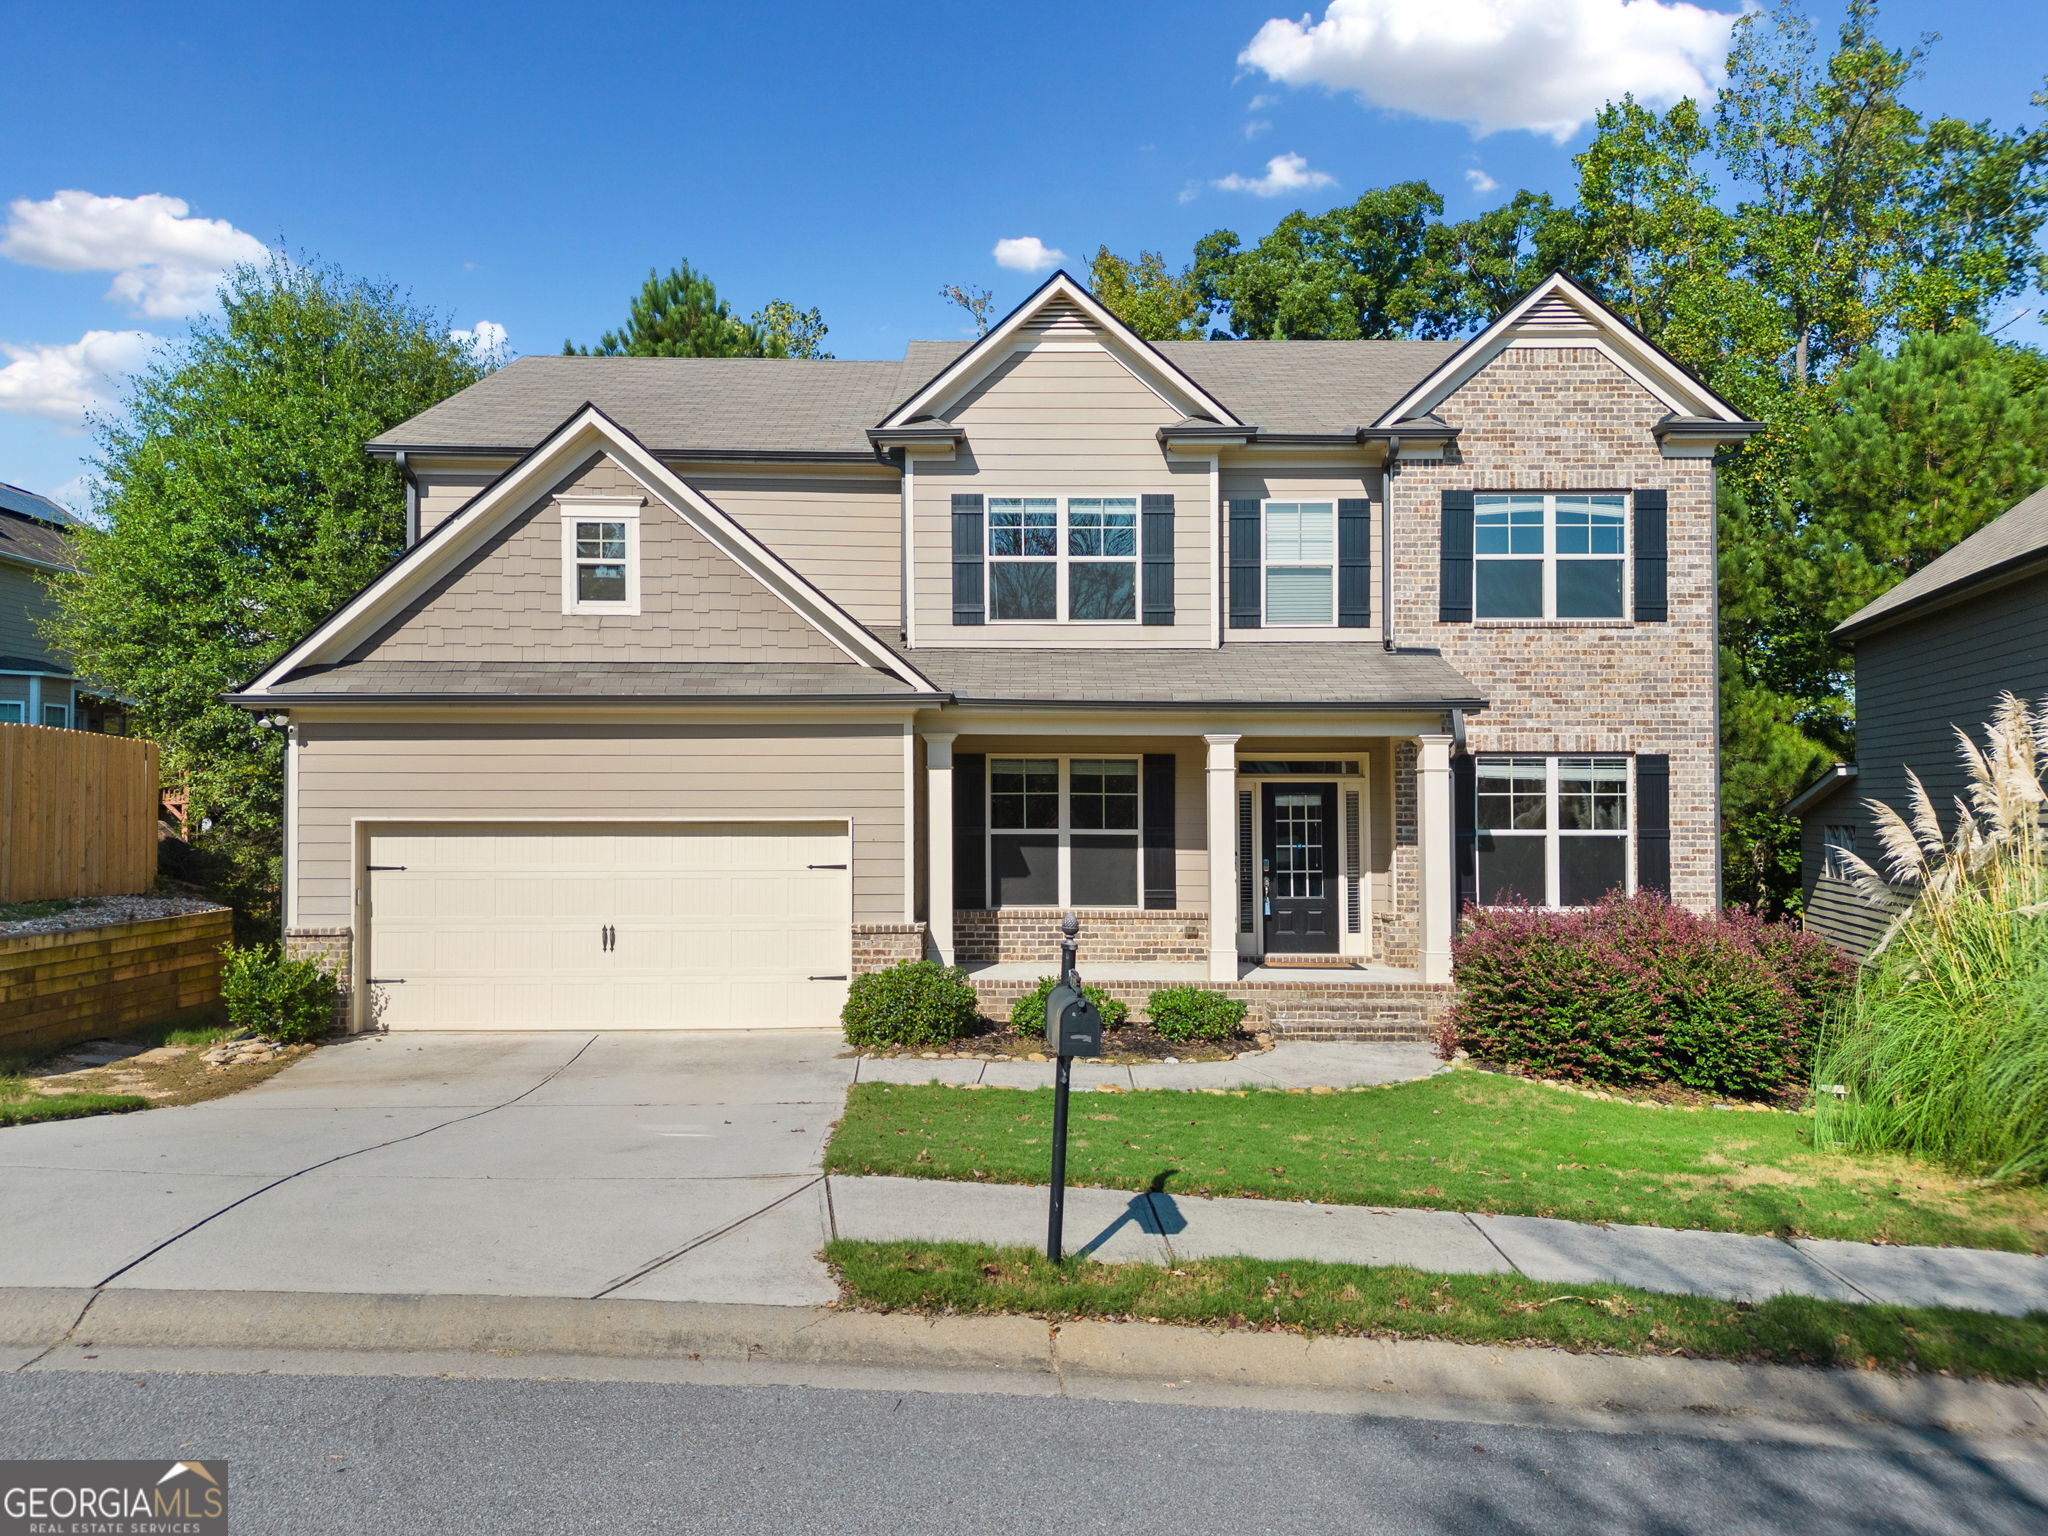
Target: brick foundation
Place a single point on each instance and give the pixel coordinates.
(334, 949)
(877, 946)
(1114, 936)
(1289, 1010)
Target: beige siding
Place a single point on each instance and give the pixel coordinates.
(504, 602)
(1190, 805)
(572, 770)
(845, 537)
(1255, 483)
(445, 492)
(1062, 423)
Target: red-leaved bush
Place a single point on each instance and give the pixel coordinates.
(1637, 991)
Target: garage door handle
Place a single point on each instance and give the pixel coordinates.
(373, 868)
(608, 937)
(387, 981)
(824, 866)
(828, 978)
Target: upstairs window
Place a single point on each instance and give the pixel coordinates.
(600, 557)
(1301, 563)
(1553, 831)
(1545, 556)
(1049, 560)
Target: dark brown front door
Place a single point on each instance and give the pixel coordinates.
(1300, 867)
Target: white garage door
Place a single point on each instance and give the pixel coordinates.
(687, 926)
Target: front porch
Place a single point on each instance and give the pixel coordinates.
(1304, 867)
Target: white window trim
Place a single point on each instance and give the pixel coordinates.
(1552, 834)
(13, 712)
(1550, 558)
(1060, 560)
(1066, 830)
(1266, 619)
(601, 509)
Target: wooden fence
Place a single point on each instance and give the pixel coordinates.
(77, 813)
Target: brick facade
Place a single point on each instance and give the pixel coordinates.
(1109, 936)
(1566, 418)
(877, 946)
(1288, 1010)
(334, 948)
(1397, 932)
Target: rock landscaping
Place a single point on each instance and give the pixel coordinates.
(91, 912)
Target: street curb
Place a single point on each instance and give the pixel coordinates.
(1076, 1356)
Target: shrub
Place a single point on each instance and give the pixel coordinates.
(1182, 1014)
(1943, 1052)
(1636, 992)
(289, 1001)
(914, 1002)
(1027, 1015)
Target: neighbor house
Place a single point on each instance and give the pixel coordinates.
(1932, 656)
(705, 684)
(36, 686)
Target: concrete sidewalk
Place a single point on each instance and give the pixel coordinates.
(1115, 1226)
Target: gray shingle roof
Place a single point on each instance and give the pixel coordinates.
(30, 504)
(1277, 675)
(593, 680)
(33, 541)
(2014, 536)
(803, 405)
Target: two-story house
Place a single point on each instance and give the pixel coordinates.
(36, 686)
(705, 684)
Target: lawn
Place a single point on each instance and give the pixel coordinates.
(1469, 1141)
(1321, 1299)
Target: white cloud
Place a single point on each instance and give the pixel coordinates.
(62, 382)
(1189, 191)
(1261, 102)
(1542, 65)
(76, 494)
(1257, 126)
(1480, 182)
(486, 339)
(165, 262)
(1284, 173)
(1027, 253)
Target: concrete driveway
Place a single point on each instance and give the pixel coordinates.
(666, 1166)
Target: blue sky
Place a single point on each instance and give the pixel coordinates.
(525, 165)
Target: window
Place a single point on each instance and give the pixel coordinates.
(1087, 571)
(1549, 557)
(58, 715)
(1838, 846)
(1553, 830)
(1301, 563)
(13, 712)
(1063, 831)
(600, 556)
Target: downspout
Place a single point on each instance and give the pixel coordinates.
(412, 499)
(1390, 465)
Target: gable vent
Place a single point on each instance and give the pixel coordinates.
(1059, 317)
(1553, 312)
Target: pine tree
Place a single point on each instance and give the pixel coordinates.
(681, 315)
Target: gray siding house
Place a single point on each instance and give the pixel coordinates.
(35, 683)
(1932, 654)
(706, 684)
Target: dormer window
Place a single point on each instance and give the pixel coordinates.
(1051, 559)
(600, 556)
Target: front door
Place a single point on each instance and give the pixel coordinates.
(1300, 869)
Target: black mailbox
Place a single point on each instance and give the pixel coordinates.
(1073, 1025)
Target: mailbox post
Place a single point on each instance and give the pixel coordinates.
(1073, 1027)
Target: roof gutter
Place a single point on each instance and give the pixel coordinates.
(1820, 789)
(272, 701)
(703, 455)
(1261, 706)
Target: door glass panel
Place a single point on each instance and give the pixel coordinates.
(1105, 871)
(1589, 867)
(1511, 869)
(1300, 851)
(1027, 868)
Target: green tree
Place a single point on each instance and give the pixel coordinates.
(681, 315)
(798, 332)
(1154, 301)
(238, 509)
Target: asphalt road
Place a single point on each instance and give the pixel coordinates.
(314, 1454)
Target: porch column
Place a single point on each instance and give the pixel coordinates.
(1222, 780)
(1433, 837)
(938, 841)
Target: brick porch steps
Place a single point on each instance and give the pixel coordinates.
(1291, 1010)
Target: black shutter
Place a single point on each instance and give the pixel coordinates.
(1454, 560)
(1245, 545)
(1652, 603)
(1653, 822)
(970, 822)
(968, 605)
(1464, 833)
(1158, 818)
(1156, 553)
(1354, 563)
